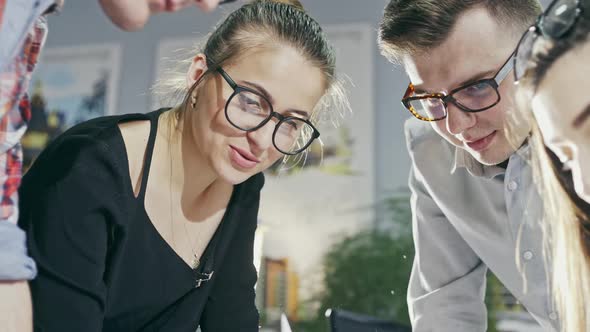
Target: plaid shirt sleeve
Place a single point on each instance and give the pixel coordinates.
(15, 113)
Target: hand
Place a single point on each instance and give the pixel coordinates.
(16, 313)
(132, 15)
(207, 5)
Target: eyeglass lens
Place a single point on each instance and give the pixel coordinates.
(249, 111)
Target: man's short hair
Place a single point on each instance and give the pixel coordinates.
(413, 26)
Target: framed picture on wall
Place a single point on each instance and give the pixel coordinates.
(69, 86)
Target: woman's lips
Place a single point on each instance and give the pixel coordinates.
(482, 143)
(243, 158)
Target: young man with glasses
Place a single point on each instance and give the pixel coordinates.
(473, 200)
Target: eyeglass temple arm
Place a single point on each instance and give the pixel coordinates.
(225, 76)
(409, 91)
(506, 68)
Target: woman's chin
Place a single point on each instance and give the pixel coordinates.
(233, 175)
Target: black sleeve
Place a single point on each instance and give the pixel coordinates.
(231, 304)
(67, 200)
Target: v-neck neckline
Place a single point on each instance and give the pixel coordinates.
(140, 198)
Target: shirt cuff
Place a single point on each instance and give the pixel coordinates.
(15, 264)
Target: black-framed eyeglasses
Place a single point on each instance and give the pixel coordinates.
(249, 110)
(554, 23)
(473, 97)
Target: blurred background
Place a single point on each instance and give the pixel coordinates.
(334, 238)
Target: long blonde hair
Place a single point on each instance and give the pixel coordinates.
(564, 241)
(566, 216)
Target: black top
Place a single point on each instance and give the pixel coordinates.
(103, 266)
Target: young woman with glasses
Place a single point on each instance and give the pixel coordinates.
(146, 221)
(552, 68)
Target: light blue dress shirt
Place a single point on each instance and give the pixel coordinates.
(467, 218)
(15, 264)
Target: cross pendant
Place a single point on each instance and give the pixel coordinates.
(195, 262)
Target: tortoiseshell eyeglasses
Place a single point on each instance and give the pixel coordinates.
(474, 97)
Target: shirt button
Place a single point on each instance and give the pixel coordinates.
(528, 255)
(552, 316)
(512, 185)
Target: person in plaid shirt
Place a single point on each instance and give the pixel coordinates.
(23, 29)
(22, 34)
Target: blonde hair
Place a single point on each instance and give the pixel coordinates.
(566, 216)
(565, 249)
(570, 275)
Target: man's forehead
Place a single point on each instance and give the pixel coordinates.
(475, 45)
(431, 73)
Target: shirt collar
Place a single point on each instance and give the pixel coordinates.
(464, 159)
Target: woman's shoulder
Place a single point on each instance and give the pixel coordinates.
(247, 193)
(95, 144)
(255, 183)
(104, 128)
